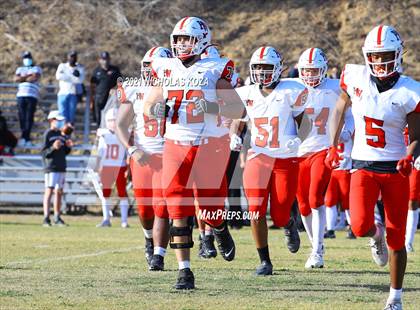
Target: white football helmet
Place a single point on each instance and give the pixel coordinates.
(210, 52)
(154, 52)
(266, 55)
(383, 39)
(199, 37)
(110, 117)
(312, 58)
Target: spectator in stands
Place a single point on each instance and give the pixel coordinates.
(334, 73)
(104, 78)
(27, 96)
(54, 152)
(293, 72)
(69, 74)
(8, 140)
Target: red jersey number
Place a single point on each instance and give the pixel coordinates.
(262, 140)
(178, 96)
(378, 133)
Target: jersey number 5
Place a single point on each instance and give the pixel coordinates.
(379, 133)
(263, 133)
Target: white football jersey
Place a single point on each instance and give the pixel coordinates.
(346, 147)
(149, 131)
(380, 118)
(181, 86)
(272, 117)
(318, 108)
(110, 150)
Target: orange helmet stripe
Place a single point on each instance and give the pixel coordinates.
(183, 22)
(379, 38)
(152, 51)
(262, 52)
(311, 54)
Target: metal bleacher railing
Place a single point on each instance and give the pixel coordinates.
(22, 177)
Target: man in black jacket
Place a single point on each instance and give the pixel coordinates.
(54, 152)
(104, 78)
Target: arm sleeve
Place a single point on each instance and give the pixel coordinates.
(299, 98)
(343, 79)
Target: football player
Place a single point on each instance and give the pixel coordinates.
(146, 158)
(273, 106)
(383, 102)
(413, 204)
(194, 157)
(314, 175)
(112, 158)
(339, 185)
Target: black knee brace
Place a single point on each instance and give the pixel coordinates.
(181, 231)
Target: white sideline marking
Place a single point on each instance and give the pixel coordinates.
(47, 260)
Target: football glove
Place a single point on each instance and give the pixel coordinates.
(293, 144)
(204, 106)
(405, 165)
(159, 110)
(333, 158)
(235, 143)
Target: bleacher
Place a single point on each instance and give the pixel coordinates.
(22, 176)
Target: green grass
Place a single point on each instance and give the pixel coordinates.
(83, 267)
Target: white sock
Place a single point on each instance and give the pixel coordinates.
(307, 222)
(208, 232)
(157, 250)
(412, 221)
(124, 210)
(184, 264)
(394, 294)
(105, 209)
(331, 213)
(318, 228)
(348, 216)
(148, 233)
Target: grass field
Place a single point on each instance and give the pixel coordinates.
(83, 267)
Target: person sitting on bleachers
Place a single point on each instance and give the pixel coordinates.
(8, 140)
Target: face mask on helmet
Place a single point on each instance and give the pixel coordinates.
(262, 74)
(27, 62)
(383, 49)
(311, 77)
(382, 64)
(146, 71)
(183, 46)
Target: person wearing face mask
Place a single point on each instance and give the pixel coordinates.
(70, 75)
(56, 147)
(27, 96)
(104, 78)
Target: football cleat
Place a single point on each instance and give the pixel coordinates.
(46, 222)
(104, 223)
(185, 280)
(330, 234)
(59, 221)
(148, 250)
(208, 249)
(157, 263)
(291, 236)
(393, 305)
(265, 269)
(315, 261)
(225, 243)
(379, 249)
(350, 234)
